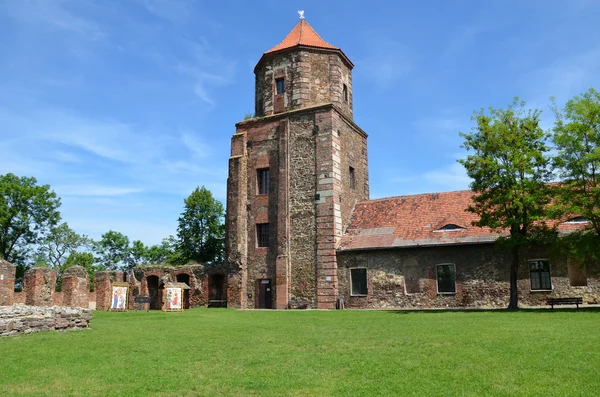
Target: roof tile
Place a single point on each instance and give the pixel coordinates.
(302, 34)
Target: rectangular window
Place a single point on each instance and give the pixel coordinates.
(352, 178)
(358, 281)
(539, 271)
(345, 93)
(446, 278)
(262, 235)
(262, 181)
(279, 86)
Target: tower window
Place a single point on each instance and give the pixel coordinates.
(262, 181)
(345, 93)
(262, 235)
(280, 86)
(352, 176)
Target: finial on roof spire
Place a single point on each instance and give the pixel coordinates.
(301, 14)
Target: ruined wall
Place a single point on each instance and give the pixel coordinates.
(312, 77)
(482, 278)
(39, 285)
(17, 320)
(102, 288)
(75, 287)
(7, 283)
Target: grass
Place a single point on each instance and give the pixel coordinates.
(224, 352)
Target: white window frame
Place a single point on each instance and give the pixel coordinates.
(437, 279)
(366, 280)
(549, 274)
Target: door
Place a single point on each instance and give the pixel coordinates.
(265, 294)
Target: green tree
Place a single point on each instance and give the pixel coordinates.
(113, 250)
(163, 253)
(509, 168)
(27, 212)
(60, 242)
(85, 260)
(576, 137)
(201, 231)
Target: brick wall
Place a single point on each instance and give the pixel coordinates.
(39, 285)
(76, 287)
(7, 283)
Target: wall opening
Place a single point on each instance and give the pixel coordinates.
(217, 291)
(153, 293)
(185, 278)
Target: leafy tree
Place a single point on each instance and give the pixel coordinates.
(85, 260)
(577, 141)
(139, 253)
(60, 242)
(201, 231)
(27, 212)
(165, 252)
(113, 250)
(509, 171)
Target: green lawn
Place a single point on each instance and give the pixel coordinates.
(224, 352)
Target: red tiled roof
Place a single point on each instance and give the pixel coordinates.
(409, 221)
(302, 34)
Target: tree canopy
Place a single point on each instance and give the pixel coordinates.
(27, 212)
(509, 167)
(201, 231)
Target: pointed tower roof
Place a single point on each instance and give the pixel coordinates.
(304, 36)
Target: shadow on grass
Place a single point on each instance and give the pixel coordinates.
(548, 310)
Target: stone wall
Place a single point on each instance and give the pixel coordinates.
(312, 77)
(102, 287)
(406, 278)
(15, 320)
(76, 287)
(7, 283)
(39, 284)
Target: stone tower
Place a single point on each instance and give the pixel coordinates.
(295, 173)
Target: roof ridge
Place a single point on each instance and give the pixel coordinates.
(414, 195)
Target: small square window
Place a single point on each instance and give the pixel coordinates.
(539, 272)
(280, 86)
(446, 278)
(262, 181)
(262, 235)
(358, 281)
(352, 178)
(345, 93)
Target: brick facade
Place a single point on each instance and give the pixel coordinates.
(75, 287)
(307, 140)
(7, 283)
(39, 285)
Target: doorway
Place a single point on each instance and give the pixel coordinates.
(185, 278)
(265, 294)
(155, 301)
(217, 295)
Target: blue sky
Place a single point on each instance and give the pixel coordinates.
(124, 107)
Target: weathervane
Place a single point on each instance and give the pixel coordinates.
(301, 14)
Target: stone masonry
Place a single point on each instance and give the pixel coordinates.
(76, 287)
(316, 158)
(39, 284)
(15, 320)
(7, 283)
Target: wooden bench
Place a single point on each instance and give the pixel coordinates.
(564, 301)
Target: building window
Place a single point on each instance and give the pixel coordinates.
(446, 278)
(262, 181)
(345, 93)
(262, 235)
(352, 178)
(280, 86)
(539, 271)
(358, 281)
(451, 227)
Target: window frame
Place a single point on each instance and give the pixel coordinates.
(278, 81)
(352, 177)
(530, 262)
(261, 235)
(437, 278)
(262, 183)
(345, 93)
(366, 289)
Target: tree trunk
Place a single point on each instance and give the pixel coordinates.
(514, 271)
